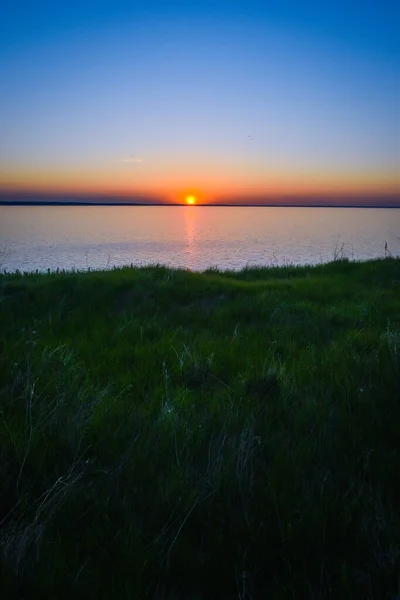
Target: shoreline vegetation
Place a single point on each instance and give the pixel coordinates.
(176, 435)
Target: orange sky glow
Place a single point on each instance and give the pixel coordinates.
(207, 188)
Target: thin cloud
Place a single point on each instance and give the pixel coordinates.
(131, 159)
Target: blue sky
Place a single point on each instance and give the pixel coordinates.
(222, 98)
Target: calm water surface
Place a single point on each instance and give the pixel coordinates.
(67, 237)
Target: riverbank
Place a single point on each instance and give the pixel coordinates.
(168, 434)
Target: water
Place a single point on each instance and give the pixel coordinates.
(67, 237)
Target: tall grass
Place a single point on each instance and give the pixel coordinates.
(176, 435)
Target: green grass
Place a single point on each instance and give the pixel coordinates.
(174, 435)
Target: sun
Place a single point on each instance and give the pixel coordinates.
(190, 199)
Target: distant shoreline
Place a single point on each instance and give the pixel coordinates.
(48, 203)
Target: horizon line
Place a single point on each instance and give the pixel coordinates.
(204, 204)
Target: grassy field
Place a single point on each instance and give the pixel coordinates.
(174, 435)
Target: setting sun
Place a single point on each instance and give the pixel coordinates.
(190, 200)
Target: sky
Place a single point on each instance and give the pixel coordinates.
(227, 101)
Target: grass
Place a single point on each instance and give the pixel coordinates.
(174, 435)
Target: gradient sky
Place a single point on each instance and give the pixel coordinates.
(229, 100)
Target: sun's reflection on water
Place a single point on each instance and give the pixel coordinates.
(190, 236)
